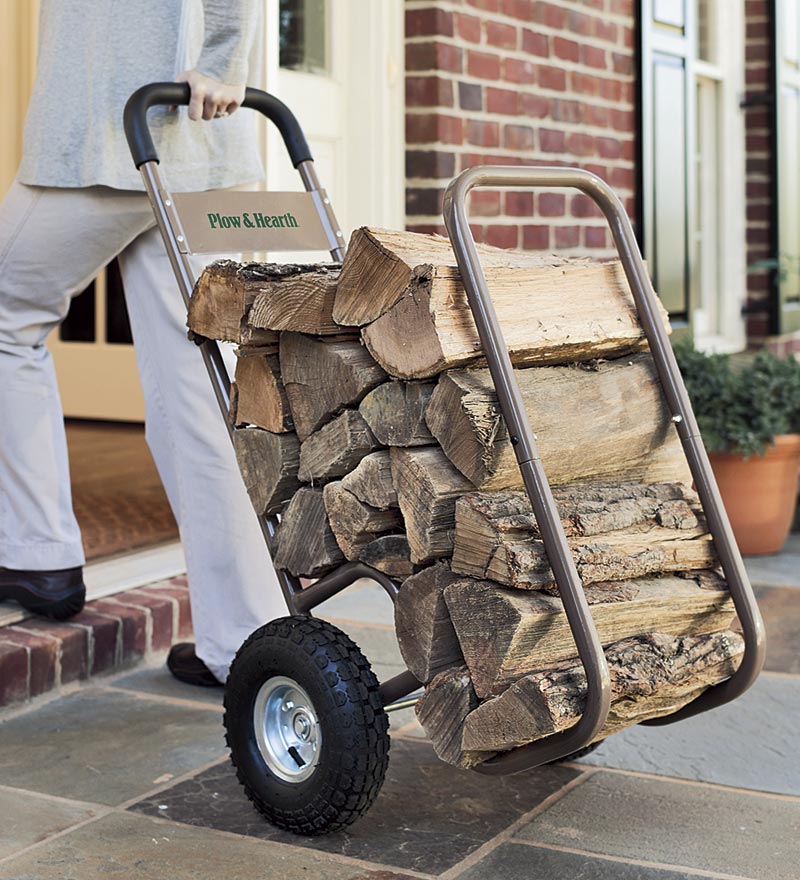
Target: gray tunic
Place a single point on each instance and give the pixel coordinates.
(94, 53)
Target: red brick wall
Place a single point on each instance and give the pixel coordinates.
(759, 134)
(520, 82)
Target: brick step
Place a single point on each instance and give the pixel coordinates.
(39, 655)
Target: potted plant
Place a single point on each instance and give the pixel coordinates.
(749, 417)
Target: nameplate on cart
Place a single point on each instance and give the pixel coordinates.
(233, 222)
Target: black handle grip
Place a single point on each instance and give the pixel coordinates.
(141, 143)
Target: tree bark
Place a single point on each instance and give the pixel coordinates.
(425, 633)
(268, 464)
(391, 555)
(371, 481)
(506, 634)
(607, 422)
(638, 530)
(355, 524)
(395, 412)
(259, 397)
(306, 544)
(651, 675)
(336, 448)
(427, 489)
(323, 376)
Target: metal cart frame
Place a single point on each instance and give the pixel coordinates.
(302, 600)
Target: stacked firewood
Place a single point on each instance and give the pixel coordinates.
(366, 418)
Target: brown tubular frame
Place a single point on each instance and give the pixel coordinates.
(523, 440)
(299, 599)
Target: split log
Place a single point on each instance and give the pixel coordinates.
(257, 395)
(607, 421)
(447, 702)
(371, 481)
(554, 313)
(323, 376)
(391, 555)
(395, 412)
(651, 675)
(427, 489)
(222, 297)
(268, 464)
(302, 302)
(637, 530)
(306, 544)
(336, 448)
(506, 634)
(425, 633)
(355, 524)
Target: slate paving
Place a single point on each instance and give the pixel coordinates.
(129, 778)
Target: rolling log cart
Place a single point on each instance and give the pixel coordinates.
(305, 716)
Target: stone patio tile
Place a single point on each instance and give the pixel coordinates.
(428, 817)
(677, 824)
(378, 644)
(749, 743)
(777, 569)
(27, 819)
(160, 681)
(516, 861)
(780, 608)
(127, 846)
(105, 747)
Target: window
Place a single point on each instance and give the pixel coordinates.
(692, 142)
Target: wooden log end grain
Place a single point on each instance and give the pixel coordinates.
(395, 413)
(371, 480)
(336, 448)
(447, 702)
(425, 633)
(268, 463)
(306, 545)
(355, 524)
(219, 305)
(323, 376)
(300, 302)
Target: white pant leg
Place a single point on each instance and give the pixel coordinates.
(52, 243)
(232, 583)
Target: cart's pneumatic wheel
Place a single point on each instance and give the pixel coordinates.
(305, 725)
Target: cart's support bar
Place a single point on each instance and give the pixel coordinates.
(523, 440)
(394, 689)
(333, 583)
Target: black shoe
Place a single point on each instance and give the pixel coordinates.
(187, 667)
(57, 594)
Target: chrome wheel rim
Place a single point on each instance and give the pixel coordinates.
(287, 730)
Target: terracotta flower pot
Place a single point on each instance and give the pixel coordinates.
(760, 494)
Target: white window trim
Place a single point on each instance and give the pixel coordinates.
(730, 334)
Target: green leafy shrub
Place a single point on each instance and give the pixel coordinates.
(741, 407)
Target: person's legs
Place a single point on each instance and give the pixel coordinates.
(52, 242)
(232, 582)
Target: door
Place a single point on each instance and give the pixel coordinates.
(339, 68)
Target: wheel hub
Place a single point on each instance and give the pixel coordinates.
(287, 730)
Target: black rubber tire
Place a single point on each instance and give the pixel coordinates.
(354, 753)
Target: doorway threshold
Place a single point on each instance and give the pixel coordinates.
(115, 574)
